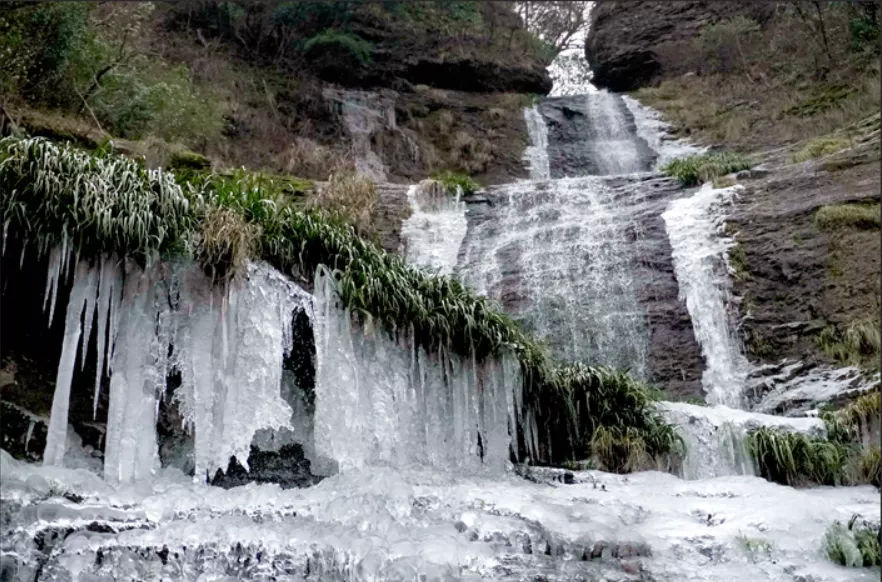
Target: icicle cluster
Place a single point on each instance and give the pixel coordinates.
(228, 346)
(384, 401)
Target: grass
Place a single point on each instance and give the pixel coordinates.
(857, 342)
(854, 545)
(796, 459)
(457, 182)
(697, 169)
(102, 203)
(349, 197)
(839, 459)
(860, 216)
(819, 147)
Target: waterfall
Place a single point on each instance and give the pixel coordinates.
(716, 436)
(435, 228)
(694, 226)
(364, 114)
(536, 154)
(385, 400)
(556, 255)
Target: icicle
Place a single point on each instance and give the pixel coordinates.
(83, 287)
(29, 434)
(131, 450)
(53, 273)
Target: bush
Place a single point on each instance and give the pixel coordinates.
(457, 182)
(854, 546)
(863, 216)
(694, 170)
(796, 459)
(857, 341)
(337, 40)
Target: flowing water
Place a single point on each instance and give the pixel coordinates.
(415, 447)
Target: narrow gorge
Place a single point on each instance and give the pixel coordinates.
(209, 375)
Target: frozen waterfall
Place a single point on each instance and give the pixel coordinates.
(435, 228)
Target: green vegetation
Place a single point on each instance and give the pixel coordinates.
(839, 459)
(862, 216)
(796, 459)
(855, 545)
(857, 342)
(697, 169)
(339, 41)
(618, 430)
(819, 147)
(104, 203)
(348, 197)
(79, 58)
(457, 181)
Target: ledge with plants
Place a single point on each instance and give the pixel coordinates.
(101, 203)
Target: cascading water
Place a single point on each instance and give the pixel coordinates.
(556, 255)
(699, 252)
(435, 228)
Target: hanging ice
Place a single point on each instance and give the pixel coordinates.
(82, 292)
(227, 344)
(379, 400)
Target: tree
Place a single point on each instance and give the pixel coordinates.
(556, 22)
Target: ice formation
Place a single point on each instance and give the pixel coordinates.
(227, 344)
(386, 400)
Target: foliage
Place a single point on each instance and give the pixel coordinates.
(349, 43)
(796, 459)
(859, 340)
(694, 170)
(104, 203)
(616, 424)
(97, 204)
(851, 422)
(865, 216)
(40, 46)
(855, 545)
(454, 182)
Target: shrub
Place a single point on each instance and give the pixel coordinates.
(226, 242)
(694, 170)
(455, 182)
(864, 216)
(855, 545)
(337, 40)
(796, 459)
(859, 340)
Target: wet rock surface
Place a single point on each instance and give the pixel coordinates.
(793, 277)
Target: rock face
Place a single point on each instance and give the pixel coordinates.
(794, 277)
(630, 43)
